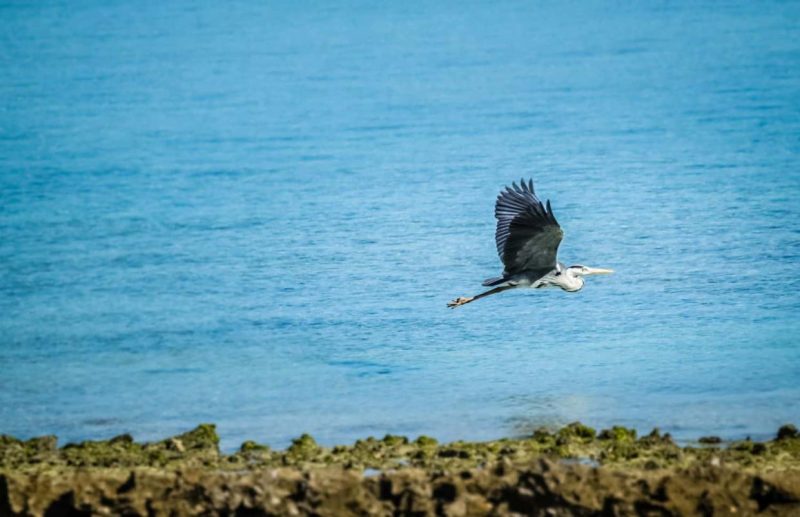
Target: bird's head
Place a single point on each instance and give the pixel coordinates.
(579, 271)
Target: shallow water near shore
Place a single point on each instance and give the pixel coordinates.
(254, 215)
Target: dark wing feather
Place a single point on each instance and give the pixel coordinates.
(527, 233)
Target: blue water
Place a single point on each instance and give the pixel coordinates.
(254, 214)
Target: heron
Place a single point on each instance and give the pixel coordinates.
(527, 239)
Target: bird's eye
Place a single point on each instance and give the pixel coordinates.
(558, 273)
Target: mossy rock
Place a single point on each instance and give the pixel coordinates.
(575, 431)
(122, 438)
(425, 441)
(106, 453)
(454, 452)
(394, 440)
(250, 446)
(42, 444)
(620, 451)
(199, 448)
(790, 446)
(742, 446)
(8, 440)
(15, 452)
(543, 436)
(787, 431)
(304, 447)
(655, 438)
(204, 436)
(618, 434)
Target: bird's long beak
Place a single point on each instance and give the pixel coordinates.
(599, 271)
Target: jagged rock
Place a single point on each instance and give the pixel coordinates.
(787, 431)
(566, 473)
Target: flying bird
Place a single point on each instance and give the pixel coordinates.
(527, 240)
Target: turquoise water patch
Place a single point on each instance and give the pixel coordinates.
(255, 215)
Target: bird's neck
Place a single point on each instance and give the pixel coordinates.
(570, 282)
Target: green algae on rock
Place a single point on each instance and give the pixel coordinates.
(787, 431)
(618, 434)
(14, 452)
(202, 437)
(617, 447)
(251, 446)
(199, 446)
(571, 470)
(304, 445)
(576, 430)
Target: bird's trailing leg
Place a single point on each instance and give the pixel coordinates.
(461, 300)
(465, 300)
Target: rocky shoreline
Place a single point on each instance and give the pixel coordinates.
(571, 471)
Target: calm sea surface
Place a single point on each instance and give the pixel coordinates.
(254, 214)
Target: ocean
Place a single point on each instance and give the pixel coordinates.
(254, 214)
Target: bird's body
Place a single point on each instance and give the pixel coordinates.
(559, 277)
(527, 239)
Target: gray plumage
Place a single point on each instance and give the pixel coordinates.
(527, 234)
(527, 238)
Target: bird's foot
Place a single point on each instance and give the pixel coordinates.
(459, 301)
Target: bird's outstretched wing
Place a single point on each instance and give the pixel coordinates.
(527, 233)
